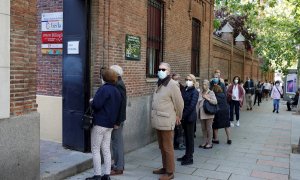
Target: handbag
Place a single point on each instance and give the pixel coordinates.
(210, 108)
(87, 119)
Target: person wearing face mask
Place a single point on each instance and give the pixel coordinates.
(249, 88)
(276, 95)
(206, 119)
(178, 143)
(235, 98)
(217, 78)
(189, 117)
(167, 107)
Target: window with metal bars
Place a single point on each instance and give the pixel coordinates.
(195, 61)
(155, 26)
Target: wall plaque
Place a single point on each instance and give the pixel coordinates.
(132, 47)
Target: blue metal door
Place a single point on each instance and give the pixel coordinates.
(75, 73)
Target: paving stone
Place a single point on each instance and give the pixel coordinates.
(206, 166)
(268, 153)
(273, 163)
(211, 174)
(280, 159)
(234, 170)
(280, 170)
(241, 177)
(295, 174)
(268, 175)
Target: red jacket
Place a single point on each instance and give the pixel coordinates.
(241, 94)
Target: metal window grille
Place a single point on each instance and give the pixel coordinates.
(195, 61)
(155, 26)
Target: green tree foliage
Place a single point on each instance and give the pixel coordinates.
(272, 27)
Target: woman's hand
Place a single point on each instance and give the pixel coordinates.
(205, 96)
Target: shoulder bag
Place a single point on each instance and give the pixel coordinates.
(210, 108)
(87, 119)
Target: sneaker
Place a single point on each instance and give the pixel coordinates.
(231, 124)
(237, 123)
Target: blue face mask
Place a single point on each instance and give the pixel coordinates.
(215, 80)
(162, 74)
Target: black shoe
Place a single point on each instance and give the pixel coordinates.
(247, 109)
(273, 110)
(94, 178)
(277, 112)
(183, 158)
(229, 141)
(208, 147)
(105, 177)
(187, 161)
(250, 109)
(289, 110)
(215, 141)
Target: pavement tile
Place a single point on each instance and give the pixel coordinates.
(278, 147)
(255, 167)
(234, 170)
(280, 159)
(211, 174)
(280, 170)
(206, 166)
(184, 169)
(273, 163)
(268, 175)
(242, 177)
(268, 153)
(295, 174)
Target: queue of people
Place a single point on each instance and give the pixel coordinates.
(174, 113)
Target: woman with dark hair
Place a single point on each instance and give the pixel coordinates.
(235, 98)
(221, 119)
(106, 105)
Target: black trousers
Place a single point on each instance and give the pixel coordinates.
(257, 97)
(189, 138)
(289, 103)
(236, 106)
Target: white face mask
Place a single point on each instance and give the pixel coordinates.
(277, 84)
(189, 83)
(236, 81)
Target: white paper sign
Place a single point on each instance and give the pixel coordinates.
(53, 25)
(54, 46)
(52, 16)
(73, 47)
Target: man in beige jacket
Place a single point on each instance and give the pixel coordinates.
(167, 107)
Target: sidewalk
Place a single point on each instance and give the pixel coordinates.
(261, 149)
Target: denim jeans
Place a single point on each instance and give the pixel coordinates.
(276, 104)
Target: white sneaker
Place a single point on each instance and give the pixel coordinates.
(231, 124)
(237, 123)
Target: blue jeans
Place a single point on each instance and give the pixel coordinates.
(276, 104)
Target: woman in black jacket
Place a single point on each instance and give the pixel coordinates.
(190, 96)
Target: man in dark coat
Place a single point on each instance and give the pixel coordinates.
(117, 133)
(249, 88)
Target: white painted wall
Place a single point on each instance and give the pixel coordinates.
(50, 109)
(4, 58)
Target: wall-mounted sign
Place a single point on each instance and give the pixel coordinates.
(73, 47)
(54, 46)
(52, 33)
(132, 47)
(52, 51)
(52, 37)
(55, 25)
(291, 83)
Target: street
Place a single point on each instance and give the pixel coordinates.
(260, 149)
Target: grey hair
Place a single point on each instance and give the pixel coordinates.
(205, 81)
(167, 65)
(117, 69)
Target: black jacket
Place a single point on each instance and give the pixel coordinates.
(122, 113)
(190, 98)
(249, 87)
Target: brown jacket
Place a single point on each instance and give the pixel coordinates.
(166, 105)
(212, 100)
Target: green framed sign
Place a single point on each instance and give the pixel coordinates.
(132, 47)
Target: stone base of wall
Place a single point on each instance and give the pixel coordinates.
(137, 128)
(19, 147)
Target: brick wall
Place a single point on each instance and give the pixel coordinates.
(112, 20)
(49, 67)
(23, 57)
(243, 64)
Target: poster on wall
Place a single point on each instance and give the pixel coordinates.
(132, 47)
(52, 33)
(291, 83)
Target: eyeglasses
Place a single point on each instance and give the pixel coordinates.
(162, 69)
(188, 79)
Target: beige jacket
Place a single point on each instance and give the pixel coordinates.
(166, 105)
(212, 100)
